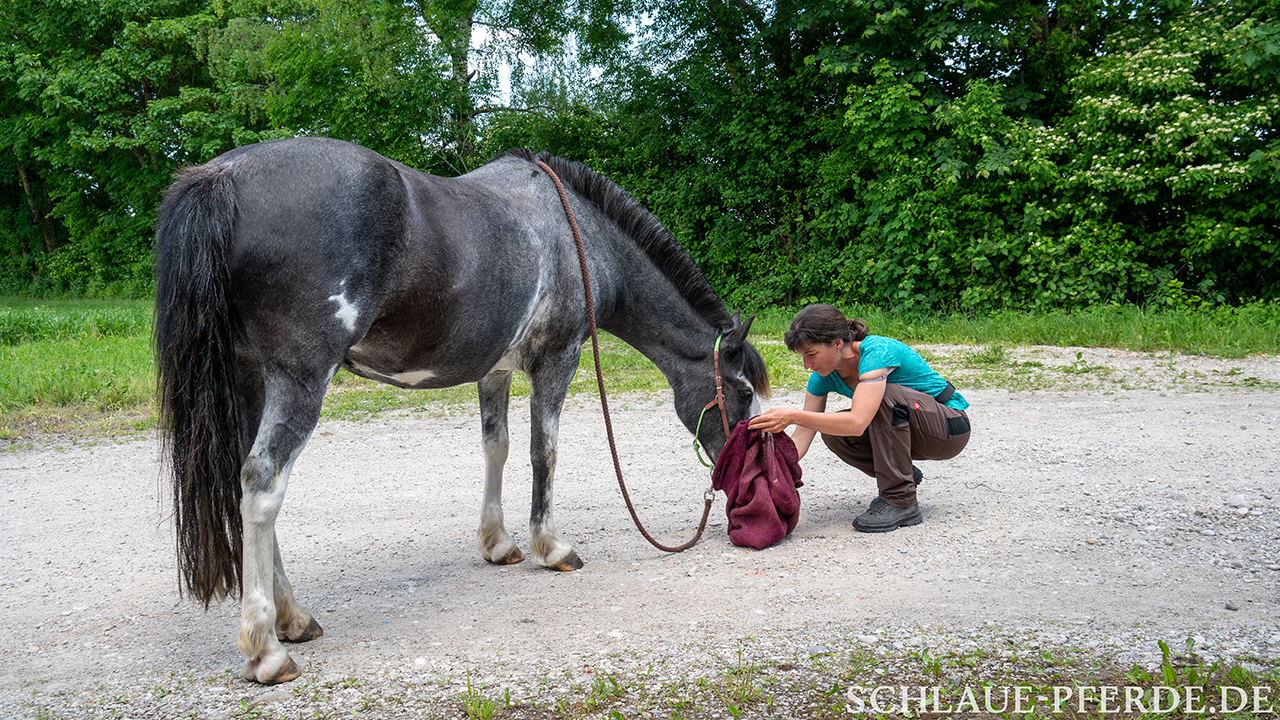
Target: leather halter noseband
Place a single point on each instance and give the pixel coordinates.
(719, 400)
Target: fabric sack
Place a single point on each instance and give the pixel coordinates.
(759, 473)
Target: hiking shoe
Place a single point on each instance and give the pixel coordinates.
(883, 517)
(916, 475)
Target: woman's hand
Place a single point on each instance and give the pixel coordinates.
(775, 420)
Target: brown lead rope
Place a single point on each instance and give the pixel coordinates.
(709, 495)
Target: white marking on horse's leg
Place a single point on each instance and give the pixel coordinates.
(263, 486)
(268, 662)
(492, 539)
(346, 312)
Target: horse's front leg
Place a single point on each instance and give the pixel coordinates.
(547, 387)
(492, 540)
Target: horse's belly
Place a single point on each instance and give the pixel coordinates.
(417, 375)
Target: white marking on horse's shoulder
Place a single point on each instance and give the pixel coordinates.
(347, 312)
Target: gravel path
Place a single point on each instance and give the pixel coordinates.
(1140, 503)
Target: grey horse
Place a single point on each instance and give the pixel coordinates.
(280, 262)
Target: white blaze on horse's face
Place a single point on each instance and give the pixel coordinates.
(347, 312)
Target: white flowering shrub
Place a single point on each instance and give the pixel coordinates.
(1160, 184)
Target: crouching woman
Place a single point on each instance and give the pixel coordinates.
(902, 410)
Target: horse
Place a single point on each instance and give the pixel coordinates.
(278, 263)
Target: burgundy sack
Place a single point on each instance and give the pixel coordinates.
(759, 473)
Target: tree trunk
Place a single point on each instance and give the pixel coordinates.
(451, 22)
(41, 206)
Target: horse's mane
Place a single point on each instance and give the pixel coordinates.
(670, 257)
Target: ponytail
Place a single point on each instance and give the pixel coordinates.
(858, 329)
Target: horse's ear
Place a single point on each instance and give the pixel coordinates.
(734, 338)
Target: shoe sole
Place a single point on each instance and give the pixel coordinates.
(908, 522)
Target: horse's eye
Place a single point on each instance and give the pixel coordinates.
(745, 393)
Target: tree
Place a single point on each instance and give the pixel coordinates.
(95, 127)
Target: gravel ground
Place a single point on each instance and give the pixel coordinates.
(1136, 499)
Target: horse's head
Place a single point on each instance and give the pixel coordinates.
(744, 380)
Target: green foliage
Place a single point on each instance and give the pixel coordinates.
(360, 71)
(96, 117)
(917, 156)
(1155, 187)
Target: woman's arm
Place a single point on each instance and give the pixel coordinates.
(803, 436)
(866, 400)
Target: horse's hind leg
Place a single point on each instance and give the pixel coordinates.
(290, 412)
(548, 383)
(293, 623)
(492, 540)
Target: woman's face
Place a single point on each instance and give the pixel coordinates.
(821, 358)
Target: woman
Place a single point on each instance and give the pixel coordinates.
(902, 410)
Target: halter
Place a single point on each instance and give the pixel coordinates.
(719, 400)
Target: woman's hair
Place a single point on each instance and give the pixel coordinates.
(823, 324)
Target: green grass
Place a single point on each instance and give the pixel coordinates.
(67, 364)
(24, 321)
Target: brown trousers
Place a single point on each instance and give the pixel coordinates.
(909, 425)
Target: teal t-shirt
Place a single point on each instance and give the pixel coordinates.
(909, 369)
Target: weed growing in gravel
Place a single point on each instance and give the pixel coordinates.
(480, 707)
(742, 685)
(604, 690)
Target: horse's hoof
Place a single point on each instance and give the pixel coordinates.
(510, 558)
(568, 563)
(312, 631)
(255, 671)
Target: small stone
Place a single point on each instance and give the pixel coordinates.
(1241, 512)
(270, 697)
(867, 639)
(1092, 541)
(1231, 606)
(1237, 564)
(1238, 501)
(1208, 533)
(817, 650)
(1273, 567)
(420, 661)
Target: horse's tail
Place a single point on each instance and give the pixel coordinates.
(196, 369)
